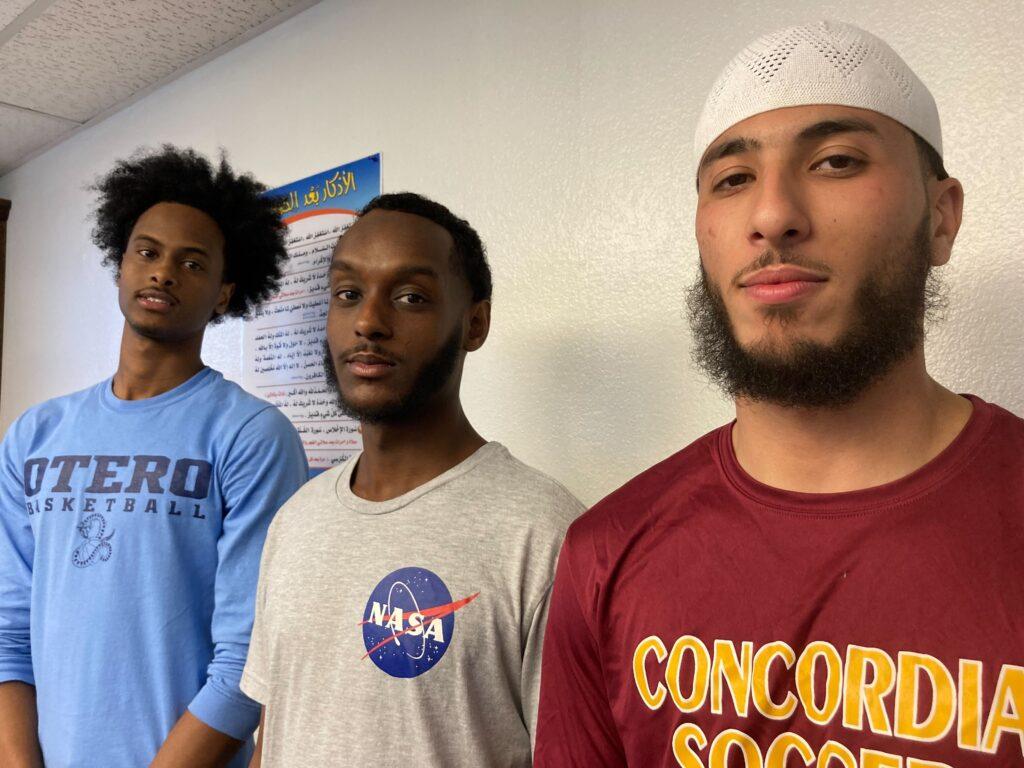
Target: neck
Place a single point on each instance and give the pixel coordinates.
(895, 427)
(147, 368)
(397, 458)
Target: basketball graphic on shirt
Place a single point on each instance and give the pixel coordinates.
(409, 622)
(96, 547)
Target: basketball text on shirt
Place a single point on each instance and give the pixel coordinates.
(152, 476)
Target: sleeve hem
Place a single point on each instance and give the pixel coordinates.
(254, 688)
(225, 713)
(16, 676)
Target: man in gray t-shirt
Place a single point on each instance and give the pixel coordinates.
(403, 595)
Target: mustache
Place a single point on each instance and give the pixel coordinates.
(366, 348)
(771, 257)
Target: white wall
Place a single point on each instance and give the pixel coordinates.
(561, 129)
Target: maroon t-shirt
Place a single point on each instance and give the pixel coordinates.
(700, 618)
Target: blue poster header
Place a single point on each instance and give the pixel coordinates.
(344, 189)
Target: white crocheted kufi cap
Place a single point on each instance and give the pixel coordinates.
(826, 62)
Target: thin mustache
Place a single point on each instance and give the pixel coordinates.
(768, 258)
(369, 349)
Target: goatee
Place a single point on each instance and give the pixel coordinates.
(889, 313)
(431, 378)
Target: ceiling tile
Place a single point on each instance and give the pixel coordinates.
(81, 57)
(11, 9)
(23, 132)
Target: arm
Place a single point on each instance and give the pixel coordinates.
(257, 756)
(530, 679)
(574, 723)
(264, 465)
(194, 744)
(19, 745)
(19, 742)
(257, 663)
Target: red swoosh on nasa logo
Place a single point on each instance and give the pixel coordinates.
(438, 612)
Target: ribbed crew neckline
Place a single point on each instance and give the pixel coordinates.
(109, 400)
(953, 458)
(343, 484)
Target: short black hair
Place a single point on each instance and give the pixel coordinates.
(254, 244)
(468, 251)
(931, 161)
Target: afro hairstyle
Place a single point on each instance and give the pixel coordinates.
(254, 245)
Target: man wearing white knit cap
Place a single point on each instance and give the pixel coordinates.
(836, 578)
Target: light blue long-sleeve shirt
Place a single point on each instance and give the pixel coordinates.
(130, 540)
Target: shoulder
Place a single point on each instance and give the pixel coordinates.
(528, 491)
(230, 399)
(640, 502)
(268, 423)
(250, 437)
(47, 416)
(1007, 424)
(254, 419)
(1002, 444)
(303, 509)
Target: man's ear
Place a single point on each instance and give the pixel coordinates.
(947, 209)
(227, 290)
(478, 325)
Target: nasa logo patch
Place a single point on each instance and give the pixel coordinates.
(409, 622)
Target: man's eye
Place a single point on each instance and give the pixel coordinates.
(838, 163)
(192, 266)
(346, 294)
(147, 253)
(412, 298)
(732, 181)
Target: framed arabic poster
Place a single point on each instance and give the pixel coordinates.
(283, 344)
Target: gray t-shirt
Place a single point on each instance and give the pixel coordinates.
(408, 631)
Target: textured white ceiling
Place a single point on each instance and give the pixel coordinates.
(22, 131)
(11, 9)
(66, 62)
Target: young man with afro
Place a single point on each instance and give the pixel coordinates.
(133, 513)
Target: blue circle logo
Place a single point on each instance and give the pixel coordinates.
(409, 622)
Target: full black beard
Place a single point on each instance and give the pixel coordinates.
(431, 379)
(889, 315)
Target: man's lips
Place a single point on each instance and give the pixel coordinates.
(783, 274)
(777, 285)
(158, 301)
(366, 365)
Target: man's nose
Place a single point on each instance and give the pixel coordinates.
(164, 272)
(373, 318)
(778, 217)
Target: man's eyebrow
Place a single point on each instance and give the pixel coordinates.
(421, 271)
(734, 147)
(187, 249)
(827, 128)
(340, 265)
